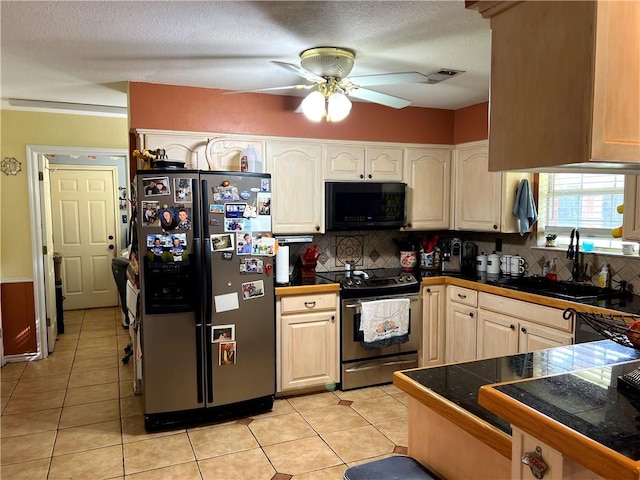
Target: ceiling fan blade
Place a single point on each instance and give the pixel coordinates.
(381, 98)
(389, 79)
(303, 72)
(272, 89)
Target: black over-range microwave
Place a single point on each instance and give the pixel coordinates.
(365, 205)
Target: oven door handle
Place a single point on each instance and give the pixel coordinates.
(370, 366)
(358, 303)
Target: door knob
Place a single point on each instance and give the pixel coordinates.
(110, 237)
(111, 247)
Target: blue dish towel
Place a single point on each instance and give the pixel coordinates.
(525, 208)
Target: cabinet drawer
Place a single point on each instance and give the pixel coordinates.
(551, 317)
(308, 303)
(464, 296)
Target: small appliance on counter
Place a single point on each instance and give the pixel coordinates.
(470, 252)
(452, 255)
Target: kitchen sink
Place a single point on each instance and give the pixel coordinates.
(575, 291)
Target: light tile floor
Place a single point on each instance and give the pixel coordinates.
(74, 415)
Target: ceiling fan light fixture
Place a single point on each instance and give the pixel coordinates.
(313, 106)
(338, 107)
(328, 61)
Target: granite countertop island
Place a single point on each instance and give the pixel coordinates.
(556, 383)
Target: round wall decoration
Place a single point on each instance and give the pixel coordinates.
(10, 166)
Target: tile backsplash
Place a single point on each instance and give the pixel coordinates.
(377, 249)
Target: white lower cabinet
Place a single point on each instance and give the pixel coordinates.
(497, 334)
(433, 325)
(483, 325)
(307, 335)
(461, 329)
(507, 326)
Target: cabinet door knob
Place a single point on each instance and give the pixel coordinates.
(361, 176)
(370, 176)
(495, 227)
(309, 304)
(462, 296)
(317, 228)
(471, 314)
(333, 318)
(512, 326)
(523, 330)
(428, 290)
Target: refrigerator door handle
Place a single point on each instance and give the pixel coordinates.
(199, 362)
(208, 310)
(197, 252)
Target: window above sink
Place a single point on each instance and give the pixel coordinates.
(581, 200)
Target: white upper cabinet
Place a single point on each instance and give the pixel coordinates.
(350, 162)
(184, 147)
(483, 200)
(200, 151)
(297, 186)
(427, 171)
(224, 154)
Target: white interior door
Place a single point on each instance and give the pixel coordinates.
(84, 204)
(47, 258)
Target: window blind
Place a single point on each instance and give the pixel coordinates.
(585, 200)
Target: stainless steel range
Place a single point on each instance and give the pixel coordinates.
(362, 365)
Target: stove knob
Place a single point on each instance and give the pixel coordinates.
(401, 278)
(358, 281)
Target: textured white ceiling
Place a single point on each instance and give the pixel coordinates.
(85, 52)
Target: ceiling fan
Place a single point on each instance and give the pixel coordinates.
(328, 69)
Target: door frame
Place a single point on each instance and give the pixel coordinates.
(35, 213)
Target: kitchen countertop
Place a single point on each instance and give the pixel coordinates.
(555, 382)
(307, 285)
(629, 304)
(583, 414)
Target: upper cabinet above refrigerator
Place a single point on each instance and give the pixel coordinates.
(565, 85)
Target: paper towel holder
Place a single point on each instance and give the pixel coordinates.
(283, 270)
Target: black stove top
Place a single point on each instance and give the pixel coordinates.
(377, 281)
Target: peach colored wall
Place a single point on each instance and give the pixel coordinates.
(169, 107)
(471, 123)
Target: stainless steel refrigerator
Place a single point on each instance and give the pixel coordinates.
(206, 268)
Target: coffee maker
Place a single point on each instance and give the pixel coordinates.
(452, 255)
(470, 252)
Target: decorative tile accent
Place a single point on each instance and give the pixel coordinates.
(349, 249)
(401, 450)
(345, 403)
(244, 421)
(282, 476)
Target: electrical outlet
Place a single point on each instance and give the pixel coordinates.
(124, 219)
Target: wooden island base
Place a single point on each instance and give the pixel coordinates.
(450, 451)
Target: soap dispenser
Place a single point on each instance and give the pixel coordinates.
(603, 277)
(553, 274)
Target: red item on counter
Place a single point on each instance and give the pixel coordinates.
(311, 255)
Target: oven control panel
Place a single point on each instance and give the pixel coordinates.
(403, 283)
